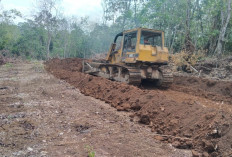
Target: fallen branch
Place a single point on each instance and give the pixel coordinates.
(193, 68)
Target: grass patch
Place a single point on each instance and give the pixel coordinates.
(38, 66)
(90, 150)
(8, 65)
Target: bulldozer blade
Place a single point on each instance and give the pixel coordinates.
(89, 65)
(87, 68)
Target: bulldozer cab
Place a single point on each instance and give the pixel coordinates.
(151, 38)
(138, 45)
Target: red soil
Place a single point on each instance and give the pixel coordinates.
(188, 115)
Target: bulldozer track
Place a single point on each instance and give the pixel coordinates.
(134, 76)
(167, 80)
(127, 74)
(167, 77)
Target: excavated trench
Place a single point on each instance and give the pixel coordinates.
(194, 113)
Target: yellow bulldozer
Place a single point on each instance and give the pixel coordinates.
(135, 55)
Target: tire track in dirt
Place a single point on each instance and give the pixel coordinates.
(186, 121)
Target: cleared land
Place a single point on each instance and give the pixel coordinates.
(44, 116)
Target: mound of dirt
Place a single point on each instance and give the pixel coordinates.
(216, 68)
(186, 124)
(211, 89)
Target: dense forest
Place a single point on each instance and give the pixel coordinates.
(189, 25)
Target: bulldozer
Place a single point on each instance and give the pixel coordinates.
(135, 55)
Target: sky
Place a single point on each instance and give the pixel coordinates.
(79, 8)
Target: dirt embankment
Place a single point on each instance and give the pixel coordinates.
(211, 89)
(181, 119)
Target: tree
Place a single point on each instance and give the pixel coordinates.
(31, 43)
(7, 16)
(225, 18)
(122, 12)
(47, 17)
(190, 25)
(65, 28)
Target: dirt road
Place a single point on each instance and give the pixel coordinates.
(43, 116)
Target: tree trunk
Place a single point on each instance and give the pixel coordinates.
(189, 47)
(135, 10)
(127, 8)
(48, 44)
(212, 43)
(65, 47)
(224, 24)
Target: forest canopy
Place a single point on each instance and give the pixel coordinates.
(189, 25)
